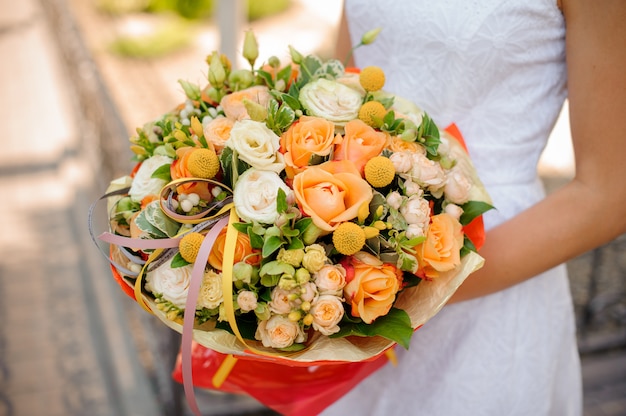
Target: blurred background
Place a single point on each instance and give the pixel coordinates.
(77, 77)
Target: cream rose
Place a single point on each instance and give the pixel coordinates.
(143, 182)
(279, 332)
(402, 161)
(394, 199)
(330, 279)
(327, 312)
(256, 145)
(211, 295)
(247, 300)
(331, 100)
(255, 195)
(308, 293)
(172, 284)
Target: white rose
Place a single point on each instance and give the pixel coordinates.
(279, 332)
(256, 145)
(255, 195)
(143, 182)
(172, 284)
(457, 187)
(401, 161)
(327, 312)
(330, 280)
(454, 211)
(247, 300)
(416, 210)
(280, 301)
(331, 100)
(394, 199)
(210, 295)
(426, 172)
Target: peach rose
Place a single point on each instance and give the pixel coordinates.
(178, 170)
(233, 106)
(279, 332)
(309, 136)
(217, 131)
(360, 143)
(327, 312)
(242, 249)
(331, 193)
(372, 286)
(330, 279)
(441, 250)
(396, 144)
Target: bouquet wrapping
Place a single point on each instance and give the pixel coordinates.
(308, 220)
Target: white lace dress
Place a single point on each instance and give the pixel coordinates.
(495, 68)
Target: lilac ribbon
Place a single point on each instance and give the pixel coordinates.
(139, 243)
(197, 274)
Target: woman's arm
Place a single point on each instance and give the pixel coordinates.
(591, 209)
(343, 45)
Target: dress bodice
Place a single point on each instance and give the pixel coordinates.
(496, 68)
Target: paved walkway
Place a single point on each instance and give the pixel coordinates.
(70, 343)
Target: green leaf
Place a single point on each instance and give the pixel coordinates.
(281, 201)
(285, 74)
(242, 227)
(295, 244)
(473, 209)
(179, 261)
(256, 240)
(162, 172)
(277, 268)
(292, 102)
(246, 323)
(395, 326)
(266, 77)
(271, 244)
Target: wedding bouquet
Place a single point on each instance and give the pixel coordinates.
(295, 211)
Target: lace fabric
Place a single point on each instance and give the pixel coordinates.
(496, 68)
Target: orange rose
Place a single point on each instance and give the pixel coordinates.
(217, 131)
(331, 193)
(360, 143)
(373, 286)
(441, 250)
(178, 170)
(233, 106)
(242, 249)
(309, 136)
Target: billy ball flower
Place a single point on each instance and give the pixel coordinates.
(189, 246)
(348, 238)
(372, 78)
(203, 163)
(379, 171)
(372, 113)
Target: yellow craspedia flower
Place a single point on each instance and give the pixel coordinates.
(372, 78)
(189, 246)
(379, 171)
(372, 113)
(348, 238)
(203, 163)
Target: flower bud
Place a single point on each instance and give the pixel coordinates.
(370, 36)
(274, 62)
(262, 312)
(240, 79)
(255, 110)
(192, 91)
(287, 282)
(302, 274)
(242, 271)
(217, 73)
(308, 319)
(294, 316)
(250, 47)
(196, 126)
(296, 56)
(306, 306)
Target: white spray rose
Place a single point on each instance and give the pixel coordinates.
(413, 189)
(415, 230)
(173, 284)
(402, 161)
(247, 300)
(279, 332)
(143, 182)
(327, 312)
(426, 172)
(394, 199)
(255, 195)
(331, 100)
(454, 211)
(457, 187)
(416, 210)
(280, 303)
(256, 145)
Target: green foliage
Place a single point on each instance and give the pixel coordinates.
(395, 326)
